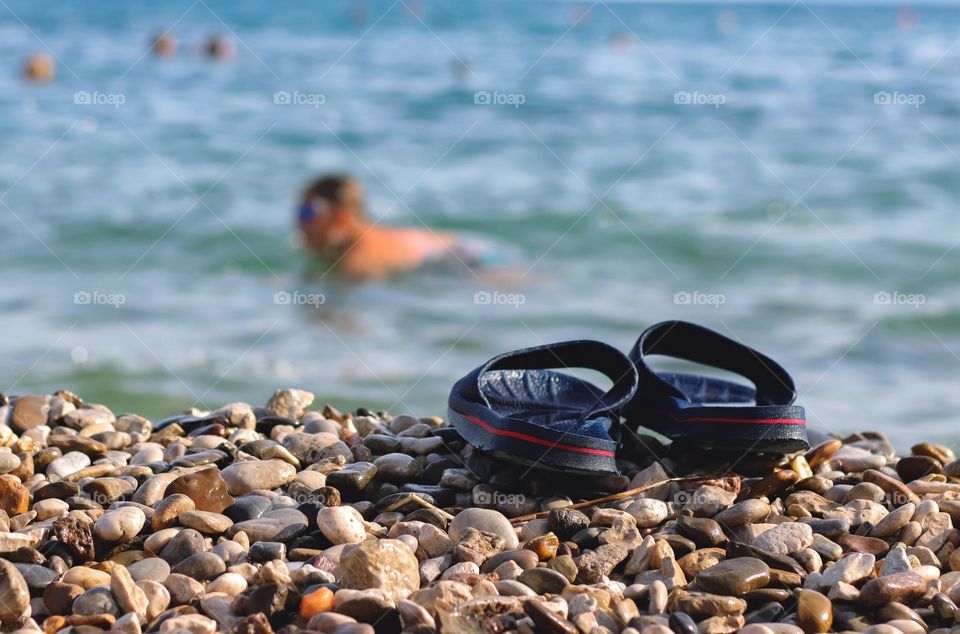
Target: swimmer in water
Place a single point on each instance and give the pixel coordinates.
(164, 45)
(220, 48)
(335, 225)
(39, 67)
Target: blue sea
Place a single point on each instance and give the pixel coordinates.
(786, 173)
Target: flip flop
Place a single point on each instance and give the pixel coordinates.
(516, 407)
(714, 413)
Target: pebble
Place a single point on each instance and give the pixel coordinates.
(15, 593)
(486, 520)
(786, 538)
(743, 513)
(397, 467)
(851, 569)
(648, 512)
(152, 568)
(544, 580)
(200, 566)
(67, 464)
(387, 565)
(704, 531)
(120, 525)
(249, 475)
(734, 577)
(14, 497)
(205, 522)
(903, 587)
(341, 524)
(894, 521)
(814, 611)
(289, 403)
(96, 600)
(205, 488)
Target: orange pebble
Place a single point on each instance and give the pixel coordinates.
(316, 602)
(54, 623)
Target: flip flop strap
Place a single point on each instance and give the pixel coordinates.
(591, 355)
(690, 342)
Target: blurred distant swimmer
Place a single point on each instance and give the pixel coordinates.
(39, 67)
(164, 45)
(334, 222)
(220, 48)
(335, 226)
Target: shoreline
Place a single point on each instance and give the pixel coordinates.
(283, 518)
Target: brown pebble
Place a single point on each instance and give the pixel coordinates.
(703, 531)
(29, 412)
(902, 587)
(822, 452)
(814, 611)
(168, 510)
(102, 621)
(544, 546)
(699, 604)
(206, 488)
(897, 492)
(53, 624)
(694, 563)
(784, 579)
(734, 576)
(941, 454)
(863, 544)
(58, 597)
(766, 595)
(14, 497)
(770, 485)
(913, 468)
(26, 468)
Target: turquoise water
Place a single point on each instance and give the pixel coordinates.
(780, 203)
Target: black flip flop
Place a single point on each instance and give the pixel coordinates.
(515, 407)
(714, 413)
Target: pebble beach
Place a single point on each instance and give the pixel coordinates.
(295, 517)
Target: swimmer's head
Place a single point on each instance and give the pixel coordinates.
(39, 67)
(164, 45)
(220, 48)
(330, 213)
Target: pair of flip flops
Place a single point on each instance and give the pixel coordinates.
(516, 406)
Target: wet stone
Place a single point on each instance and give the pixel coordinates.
(814, 611)
(703, 531)
(247, 507)
(353, 478)
(734, 577)
(262, 552)
(206, 488)
(902, 588)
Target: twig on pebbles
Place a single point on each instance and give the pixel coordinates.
(607, 498)
(419, 500)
